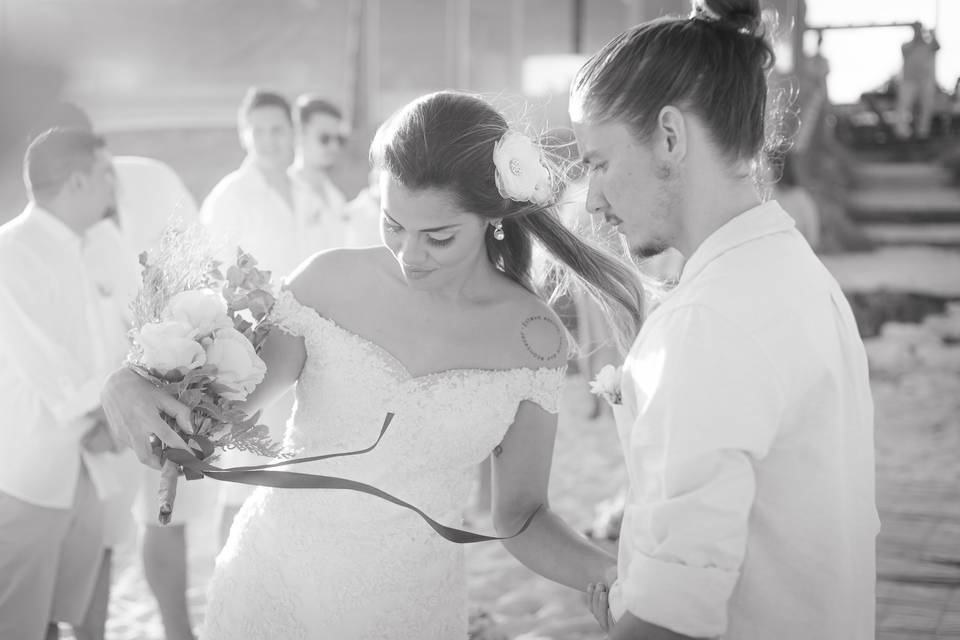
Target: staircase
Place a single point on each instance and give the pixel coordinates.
(906, 203)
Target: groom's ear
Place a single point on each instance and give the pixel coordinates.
(671, 135)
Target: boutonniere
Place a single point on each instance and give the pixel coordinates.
(607, 384)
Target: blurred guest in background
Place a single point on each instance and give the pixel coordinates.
(321, 136)
(54, 475)
(259, 207)
(363, 214)
(149, 196)
(918, 83)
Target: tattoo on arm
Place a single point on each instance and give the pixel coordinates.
(541, 349)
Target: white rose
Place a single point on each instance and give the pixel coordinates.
(203, 309)
(607, 384)
(238, 365)
(169, 345)
(520, 173)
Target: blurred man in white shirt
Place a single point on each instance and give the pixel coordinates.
(259, 207)
(321, 137)
(149, 197)
(54, 476)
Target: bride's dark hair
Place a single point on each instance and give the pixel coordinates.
(445, 140)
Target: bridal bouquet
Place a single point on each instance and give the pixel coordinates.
(196, 335)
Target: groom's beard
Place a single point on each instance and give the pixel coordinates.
(668, 202)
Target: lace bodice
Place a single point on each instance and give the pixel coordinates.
(401, 579)
(444, 422)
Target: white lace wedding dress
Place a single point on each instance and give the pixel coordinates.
(304, 563)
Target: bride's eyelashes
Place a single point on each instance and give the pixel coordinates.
(436, 242)
(440, 242)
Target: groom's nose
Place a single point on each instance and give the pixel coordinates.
(596, 202)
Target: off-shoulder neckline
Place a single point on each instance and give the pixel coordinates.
(408, 374)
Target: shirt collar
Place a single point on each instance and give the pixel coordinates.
(763, 220)
(52, 226)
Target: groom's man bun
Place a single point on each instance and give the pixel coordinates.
(54, 156)
(714, 63)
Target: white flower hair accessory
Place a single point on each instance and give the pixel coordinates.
(520, 173)
(607, 384)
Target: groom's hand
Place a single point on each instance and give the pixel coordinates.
(599, 605)
(133, 408)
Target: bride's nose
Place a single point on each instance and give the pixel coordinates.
(412, 252)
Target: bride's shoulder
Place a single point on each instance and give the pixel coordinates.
(533, 332)
(328, 274)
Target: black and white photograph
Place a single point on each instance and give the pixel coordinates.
(479, 319)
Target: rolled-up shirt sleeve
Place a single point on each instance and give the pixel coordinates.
(708, 404)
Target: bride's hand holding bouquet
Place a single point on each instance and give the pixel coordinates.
(196, 337)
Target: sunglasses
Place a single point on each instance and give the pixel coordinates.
(331, 138)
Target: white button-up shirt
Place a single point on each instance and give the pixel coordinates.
(52, 362)
(747, 425)
(244, 210)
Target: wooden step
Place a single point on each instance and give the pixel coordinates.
(885, 175)
(908, 205)
(933, 234)
(922, 270)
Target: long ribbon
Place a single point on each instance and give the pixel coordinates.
(261, 475)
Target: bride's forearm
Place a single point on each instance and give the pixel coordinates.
(551, 548)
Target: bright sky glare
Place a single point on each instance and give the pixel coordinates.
(863, 59)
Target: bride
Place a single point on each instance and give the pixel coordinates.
(442, 327)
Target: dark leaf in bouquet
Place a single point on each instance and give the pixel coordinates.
(210, 409)
(191, 397)
(245, 260)
(200, 376)
(257, 279)
(241, 324)
(202, 446)
(254, 419)
(259, 336)
(173, 388)
(239, 302)
(238, 417)
(235, 277)
(174, 375)
(218, 388)
(206, 424)
(260, 303)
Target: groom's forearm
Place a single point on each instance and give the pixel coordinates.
(551, 548)
(630, 627)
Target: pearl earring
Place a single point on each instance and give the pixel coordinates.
(498, 230)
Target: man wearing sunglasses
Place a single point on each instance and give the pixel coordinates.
(321, 137)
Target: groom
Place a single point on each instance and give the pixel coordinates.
(746, 417)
